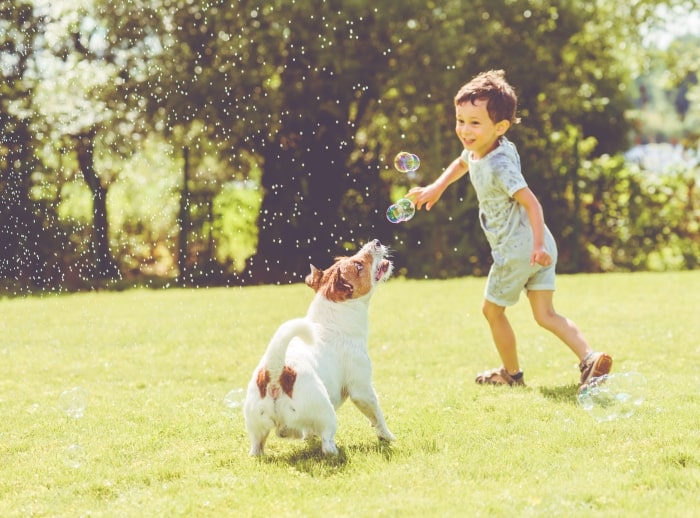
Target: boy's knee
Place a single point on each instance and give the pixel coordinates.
(545, 319)
(491, 310)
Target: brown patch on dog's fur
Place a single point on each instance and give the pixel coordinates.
(287, 379)
(262, 381)
(347, 278)
(336, 288)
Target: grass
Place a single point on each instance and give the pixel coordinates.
(157, 440)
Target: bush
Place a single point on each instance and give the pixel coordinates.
(634, 219)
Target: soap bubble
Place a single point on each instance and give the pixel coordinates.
(402, 210)
(74, 456)
(613, 396)
(405, 162)
(73, 402)
(234, 399)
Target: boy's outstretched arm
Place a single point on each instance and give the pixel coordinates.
(430, 194)
(529, 201)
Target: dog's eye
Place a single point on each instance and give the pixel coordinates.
(359, 266)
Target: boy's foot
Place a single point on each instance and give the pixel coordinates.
(592, 366)
(499, 376)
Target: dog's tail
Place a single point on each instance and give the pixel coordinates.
(277, 348)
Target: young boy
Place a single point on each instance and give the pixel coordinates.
(523, 249)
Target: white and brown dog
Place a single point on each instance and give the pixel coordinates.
(313, 364)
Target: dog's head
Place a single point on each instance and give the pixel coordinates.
(352, 277)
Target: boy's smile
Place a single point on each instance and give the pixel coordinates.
(475, 129)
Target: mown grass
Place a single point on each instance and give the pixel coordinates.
(157, 439)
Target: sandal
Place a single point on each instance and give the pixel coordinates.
(594, 365)
(498, 376)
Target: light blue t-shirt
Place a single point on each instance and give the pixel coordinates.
(496, 178)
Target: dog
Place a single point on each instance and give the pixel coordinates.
(313, 364)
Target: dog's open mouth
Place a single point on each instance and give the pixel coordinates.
(381, 270)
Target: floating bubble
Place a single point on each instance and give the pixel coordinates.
(405, 162)
(73, 402)
(402, 210)
(613, 396)
(234, 399)
(74, 456)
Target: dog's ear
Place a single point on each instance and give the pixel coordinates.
(338, 289)
(313, 280)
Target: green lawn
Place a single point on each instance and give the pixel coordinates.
(157, 440)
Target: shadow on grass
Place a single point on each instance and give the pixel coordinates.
(563, 394)
(309, 458)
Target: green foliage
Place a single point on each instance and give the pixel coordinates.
(325, 101)
(668, 106)
(143, 205)
(639, 220)
(236, 209)
(158, 441)
(306, 103)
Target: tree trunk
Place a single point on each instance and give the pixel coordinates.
(183, 220)
(104, 267)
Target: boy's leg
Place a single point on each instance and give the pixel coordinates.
(566, 330)
(503, 336)
(591, 364)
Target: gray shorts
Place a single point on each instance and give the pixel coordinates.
(509, 276)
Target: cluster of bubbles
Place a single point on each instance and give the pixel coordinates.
(405, 162)
(73, 403)
(404, 209)
(613, 396)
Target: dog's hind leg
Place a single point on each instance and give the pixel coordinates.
(367, 402)
(257, 444)
(328, 446)
(258, 431)
(325, 427)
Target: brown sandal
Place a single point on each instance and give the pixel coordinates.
(498, 376)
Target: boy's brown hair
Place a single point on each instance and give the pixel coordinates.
(491, 86)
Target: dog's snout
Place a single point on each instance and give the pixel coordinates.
(377, 243)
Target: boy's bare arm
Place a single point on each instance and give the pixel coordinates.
(430, 194)
(529, 201)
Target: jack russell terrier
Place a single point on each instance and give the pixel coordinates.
(313, 364)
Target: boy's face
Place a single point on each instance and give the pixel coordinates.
(475, 129)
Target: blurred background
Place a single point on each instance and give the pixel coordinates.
(224, 142)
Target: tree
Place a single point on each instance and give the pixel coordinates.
(76, 72)
(104, 267)
(22, 257)
(309, 101)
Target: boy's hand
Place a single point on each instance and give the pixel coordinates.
(541, 257)
(428, 196)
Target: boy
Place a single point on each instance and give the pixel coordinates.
(523, 249)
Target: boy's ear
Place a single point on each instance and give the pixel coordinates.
(502, 127)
